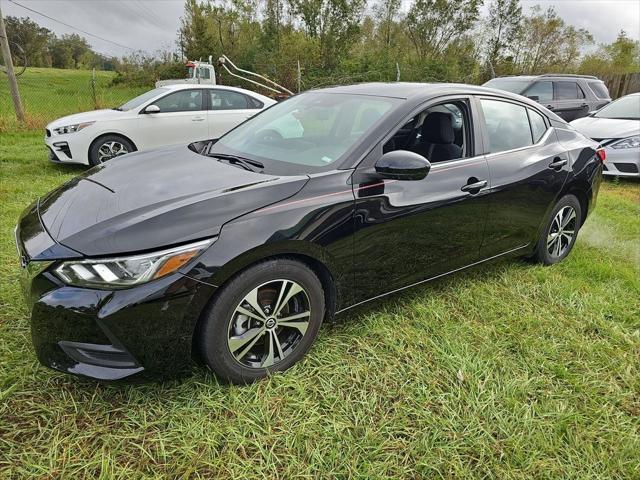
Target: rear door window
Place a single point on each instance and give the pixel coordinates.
(567, 91)
(507, 125)
(542, 90)
(229, 100)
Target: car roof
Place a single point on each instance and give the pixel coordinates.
(549, 76)
(186, 86)
(412, 91)
(419, 92)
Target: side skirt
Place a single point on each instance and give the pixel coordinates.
(433, 278)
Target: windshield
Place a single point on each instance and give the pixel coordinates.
(513, 86)
(313, 130)
(141, 99)
(626, 108)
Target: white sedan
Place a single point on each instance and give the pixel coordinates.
(169, 115)
(617, 128)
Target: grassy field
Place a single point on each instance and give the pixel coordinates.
(506, 371)
(49, 93)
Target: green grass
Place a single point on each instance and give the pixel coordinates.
(506, 371)
(50, 93)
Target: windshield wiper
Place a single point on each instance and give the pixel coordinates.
(117, 108)
(245, 163)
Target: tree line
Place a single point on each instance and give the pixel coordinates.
(335, 41)
(43, 48)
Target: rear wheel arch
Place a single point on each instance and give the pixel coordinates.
(579, 189)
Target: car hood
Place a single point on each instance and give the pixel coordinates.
(91, 116)
(602, 128)
(155, 199)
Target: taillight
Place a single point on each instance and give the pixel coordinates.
(602, 154)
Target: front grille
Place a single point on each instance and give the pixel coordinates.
(627, 167)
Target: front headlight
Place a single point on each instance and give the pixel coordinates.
(629, 142)
(72, 128)
(128, 271)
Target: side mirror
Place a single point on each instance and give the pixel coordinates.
(535, 98)
(152, 109)
(402, 165)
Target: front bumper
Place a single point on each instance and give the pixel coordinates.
(69, 148)
(622, 162)
(140, 332)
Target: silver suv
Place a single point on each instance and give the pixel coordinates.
(569, 96)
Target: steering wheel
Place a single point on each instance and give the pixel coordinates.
(268, 135)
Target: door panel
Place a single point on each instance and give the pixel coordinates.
(172, 128)
(408, 231)
(523, 189)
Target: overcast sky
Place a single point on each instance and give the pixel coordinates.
(151, 25)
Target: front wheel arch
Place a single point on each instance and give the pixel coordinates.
(316, 266)
(108, 134)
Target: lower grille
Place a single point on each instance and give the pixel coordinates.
(627, 167)
(100, 355)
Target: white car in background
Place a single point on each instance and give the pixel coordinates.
(169, 115)
(617, 128)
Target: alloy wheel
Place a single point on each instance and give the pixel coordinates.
(109, 150)
(562, 231)
(269, 323)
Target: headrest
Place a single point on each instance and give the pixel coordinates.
(438, 128)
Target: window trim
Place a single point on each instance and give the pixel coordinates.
(203, 104)
(485, 133)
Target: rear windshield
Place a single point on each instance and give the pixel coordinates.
(600, 89)
(513, 86)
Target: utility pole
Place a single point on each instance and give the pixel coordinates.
(13, 84)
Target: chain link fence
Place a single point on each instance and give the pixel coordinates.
(48, 94)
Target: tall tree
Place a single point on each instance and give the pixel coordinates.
(32, 38)
(335, 23)
(504, 24)
(433, 24)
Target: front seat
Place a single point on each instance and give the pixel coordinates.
(437, 136)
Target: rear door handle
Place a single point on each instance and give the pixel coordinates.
(474, 187)
(197, 119)
(558, 163)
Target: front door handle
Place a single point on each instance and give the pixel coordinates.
(558, 163)
(474, 187)
(197, 119)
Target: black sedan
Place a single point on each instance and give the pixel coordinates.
(236, 250)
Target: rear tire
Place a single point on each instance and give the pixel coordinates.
(258, 323)
(108, 147)
(560, 232)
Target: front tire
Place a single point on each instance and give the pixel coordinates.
(560, 232)
(263, 321)
(108, 147)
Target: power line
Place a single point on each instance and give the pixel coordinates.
(72, 27)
